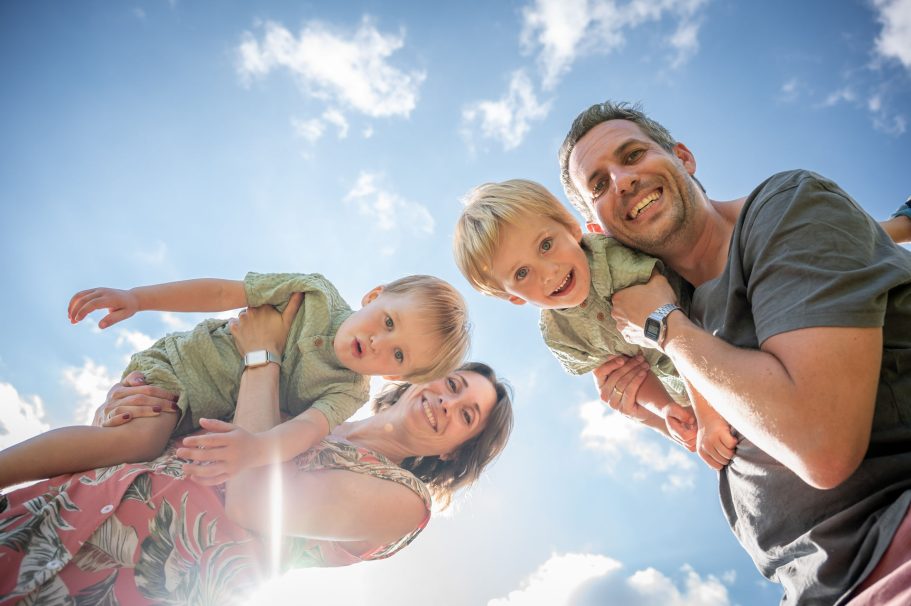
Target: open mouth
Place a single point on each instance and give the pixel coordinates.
(566, 285)
(644, 203)
(356, 348)
(428, 412)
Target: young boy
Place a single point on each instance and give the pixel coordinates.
(516, 241)
(413, 329)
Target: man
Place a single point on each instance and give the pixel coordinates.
(799, 334)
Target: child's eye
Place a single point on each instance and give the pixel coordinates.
(389, 323)
(399, 356)
(547, 244)
(521, 273)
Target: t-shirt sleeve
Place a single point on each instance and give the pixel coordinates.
(812, 257)
(276, 289)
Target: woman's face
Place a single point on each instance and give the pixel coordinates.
(442, 415)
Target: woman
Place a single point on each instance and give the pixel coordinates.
(144, 533)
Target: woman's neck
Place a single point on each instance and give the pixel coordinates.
(377, 434)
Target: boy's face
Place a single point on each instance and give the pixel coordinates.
(386, 337)
(541, 262)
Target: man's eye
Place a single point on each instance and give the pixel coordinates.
(522, 273)
(634, 155)
(399, 356)
(547, 244)
(389, 323)
(599, 188)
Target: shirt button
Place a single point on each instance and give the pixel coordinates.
(600, 316)
(107, 509)
(318, 341)
(54, 565)
(583, 304)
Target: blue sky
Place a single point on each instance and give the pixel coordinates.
(147, 141)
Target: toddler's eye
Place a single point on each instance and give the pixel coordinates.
(547, 244)
(521, 273)
(399, 356)
(389, 323)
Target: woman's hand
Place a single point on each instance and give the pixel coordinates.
(131, 399)
(632, 305)
(218, 455)
(618, 381)
(121, 304)
(263, 327)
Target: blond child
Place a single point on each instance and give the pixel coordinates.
(414, 329)
(516, 241)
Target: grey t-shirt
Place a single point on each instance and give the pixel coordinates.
(804, 254)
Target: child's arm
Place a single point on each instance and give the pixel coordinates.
(204, 294)
(715, 441)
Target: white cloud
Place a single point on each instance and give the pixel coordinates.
(790, 90)
(555, 581)
(344, 68)
(20, 418)
(91, 383)
(894, 41)
(336, 118)
(153, 256)
(387, 209)
(311, 130)
(134, 339)
(564, 579)
(175, 322)
(619, 439)
(508, 119)
(843, 94)
(367, 133)
(561, 31)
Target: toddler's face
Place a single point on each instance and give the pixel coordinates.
(541, 262)
(386, 337)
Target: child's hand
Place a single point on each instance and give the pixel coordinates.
(121, 304)
(715, 442)
(218, 455)
(681, 424)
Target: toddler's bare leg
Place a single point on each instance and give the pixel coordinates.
(72, 449)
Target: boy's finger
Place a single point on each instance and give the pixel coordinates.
(113, 318)
(216, 425)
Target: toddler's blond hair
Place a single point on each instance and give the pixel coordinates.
(487, 208)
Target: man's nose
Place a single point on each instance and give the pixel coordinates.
(624, 179)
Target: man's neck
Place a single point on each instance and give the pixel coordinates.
(703, 256)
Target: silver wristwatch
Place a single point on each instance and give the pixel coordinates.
(260, 357)
(655, 328)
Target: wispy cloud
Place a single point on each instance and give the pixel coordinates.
(387, 209)
(20, 417)
(344, 68)
(561, 31)
(894, 41)
(601, 580)
(312, 130)
(509, 118)
(91, 382)
(618, 439)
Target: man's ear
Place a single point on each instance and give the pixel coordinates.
(516, 300)
(686, 157)
(371, 296)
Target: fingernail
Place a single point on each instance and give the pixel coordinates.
(174, 408)
(140, 379)
(125, 416)
(156, 409)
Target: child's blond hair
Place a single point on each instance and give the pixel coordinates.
(487, 208)
(443, 309)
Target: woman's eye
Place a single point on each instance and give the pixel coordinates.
(453, 385)
(389, 323)
(467, 416)
(522, 273)
(547, 244)
(399, 356)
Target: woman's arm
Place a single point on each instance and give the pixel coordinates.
(204, 294)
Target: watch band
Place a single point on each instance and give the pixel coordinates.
(655, 328)
(260, 357)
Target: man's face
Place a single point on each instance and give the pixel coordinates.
(640, 192)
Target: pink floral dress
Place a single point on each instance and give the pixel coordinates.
(142, 534)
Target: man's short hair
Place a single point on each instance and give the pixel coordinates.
(592, 117)
(487, 208)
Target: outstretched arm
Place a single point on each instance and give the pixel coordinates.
(204, 294)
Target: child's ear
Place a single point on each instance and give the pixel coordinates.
(371, 296)
(594, 228)
(515, 300)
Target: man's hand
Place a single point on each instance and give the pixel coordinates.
(263, 327)
(218, 455)
(121, 304)
(131, 399)
(715, 442)
(618, 381)
(632, 305)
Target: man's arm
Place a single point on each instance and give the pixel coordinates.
(204, 294)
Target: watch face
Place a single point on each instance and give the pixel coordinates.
(652, 329)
